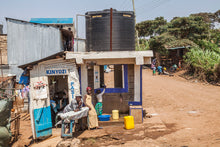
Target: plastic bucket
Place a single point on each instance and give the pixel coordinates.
(115, 114)
(104, 117)
(129, 122)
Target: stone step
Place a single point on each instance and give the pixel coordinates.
(112, 122)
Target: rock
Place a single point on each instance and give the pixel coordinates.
(115, 138)
(148, 116)
(64, 143)
(75, 142)
(69, 143)
(141, 133)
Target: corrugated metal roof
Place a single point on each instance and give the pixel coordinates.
(52, 20)
(175, 48)
(41, 60)
(23, 21)
(28, 42)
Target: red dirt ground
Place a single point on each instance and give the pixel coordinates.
(173, 98)
(188, 115)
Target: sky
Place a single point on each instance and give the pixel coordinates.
(145, 9)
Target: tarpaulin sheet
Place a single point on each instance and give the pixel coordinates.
(5, 115)
(73, 115)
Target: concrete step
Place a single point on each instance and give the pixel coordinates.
(112, 122)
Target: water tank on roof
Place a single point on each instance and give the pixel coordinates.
(99, 30)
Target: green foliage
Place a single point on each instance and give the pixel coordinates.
(181, 31)
(179, 43)
(203, 63)
(147, 28)
(192, 28)
(157, 44)
(163, 42)
(206, 45)
(144, 45)
(196, 31)
(215, 36)
(162, 29)
(209, 17)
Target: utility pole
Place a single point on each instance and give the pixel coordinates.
(135, 25)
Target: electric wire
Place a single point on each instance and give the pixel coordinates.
(122, 6)
(144, 4)
(150, 5)
(154, 7)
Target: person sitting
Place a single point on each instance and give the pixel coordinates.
(75, 105)
(165, 71)
(160, 70)
(173, 68)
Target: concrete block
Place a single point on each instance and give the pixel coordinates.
(137, 113)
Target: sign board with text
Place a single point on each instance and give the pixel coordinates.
(61, 71)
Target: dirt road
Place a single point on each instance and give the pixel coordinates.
(192, 108)
(186, 114)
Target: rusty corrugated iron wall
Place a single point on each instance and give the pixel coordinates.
(3, 49)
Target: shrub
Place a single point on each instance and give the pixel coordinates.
(204, 63)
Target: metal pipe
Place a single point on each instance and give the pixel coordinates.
(111, 29)
(1, 56)
(1, 63)
(77, 29)
(77, 32)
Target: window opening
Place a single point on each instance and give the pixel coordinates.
(111, 76)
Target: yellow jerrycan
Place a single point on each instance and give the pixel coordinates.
(129, 122)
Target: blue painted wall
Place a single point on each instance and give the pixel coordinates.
(52, 20)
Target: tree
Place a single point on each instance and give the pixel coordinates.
(209, 17)
(196, 31)
(180, 31)
(144, 45)
(149, 27)
(162, 42)
(192, 28)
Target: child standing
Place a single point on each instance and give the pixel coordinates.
(98, 106)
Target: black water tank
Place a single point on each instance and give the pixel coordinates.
(98, 31)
